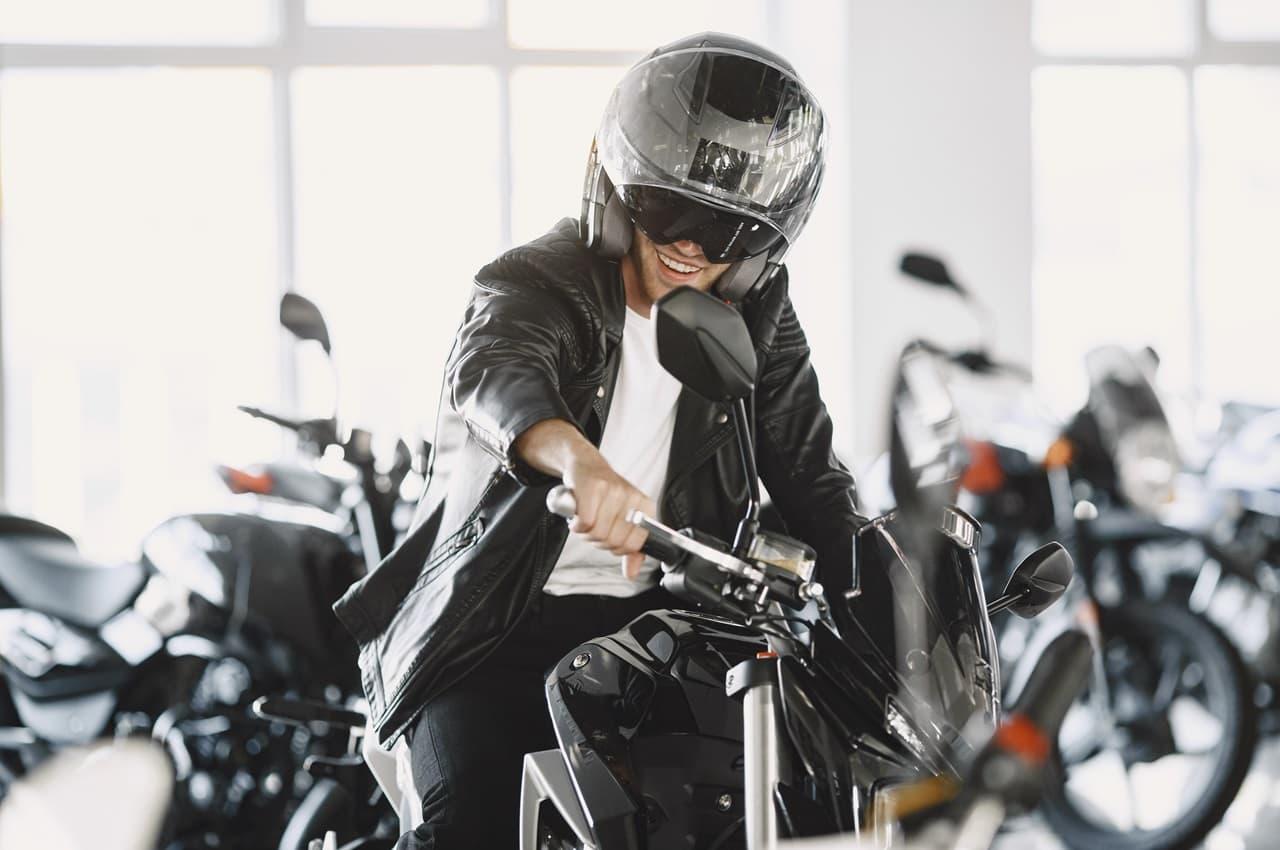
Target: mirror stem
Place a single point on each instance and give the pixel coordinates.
(1001, 603)
(750, 523)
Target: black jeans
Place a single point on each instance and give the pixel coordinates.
(469, 743)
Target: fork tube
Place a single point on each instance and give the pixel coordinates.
(760, 755)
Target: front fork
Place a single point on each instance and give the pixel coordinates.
(1070, 517)
(756, 682)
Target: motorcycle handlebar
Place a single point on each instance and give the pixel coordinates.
(562, 501)
(274, 418)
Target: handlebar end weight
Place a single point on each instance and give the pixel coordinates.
(562, 502)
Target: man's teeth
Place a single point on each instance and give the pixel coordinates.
(672, 264)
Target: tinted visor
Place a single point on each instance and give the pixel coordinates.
(668, 216)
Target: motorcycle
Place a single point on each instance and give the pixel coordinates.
(221, 609)
(842, 706)
(844, 709)
(1170, 698)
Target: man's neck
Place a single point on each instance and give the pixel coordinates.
(637, 299)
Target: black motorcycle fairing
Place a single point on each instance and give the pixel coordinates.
(45, 572)
(72, 720)
(651, 738)
(279, 576)
(821, 753)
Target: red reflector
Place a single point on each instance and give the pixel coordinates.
(239, 481)
(766, 654)
(984, 473)
(1020, 736)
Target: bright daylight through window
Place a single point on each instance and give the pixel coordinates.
(177, 164)
(1156, 148)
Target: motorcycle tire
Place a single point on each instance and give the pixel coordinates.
(1149, 628)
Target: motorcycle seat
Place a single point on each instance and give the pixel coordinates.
(46, 573)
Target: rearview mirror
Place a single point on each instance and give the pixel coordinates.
(1037, 583)
(303, 319)
(704, 344)
(928, 269)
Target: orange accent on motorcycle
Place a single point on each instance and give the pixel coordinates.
(984, 473)
(239, 481)
(1020, 736)
(1060, 454)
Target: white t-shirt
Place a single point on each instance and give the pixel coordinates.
(637, 444)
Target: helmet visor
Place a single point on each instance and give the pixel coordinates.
(668, 216)
(721, 125)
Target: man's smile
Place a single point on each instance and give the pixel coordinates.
(677, 270)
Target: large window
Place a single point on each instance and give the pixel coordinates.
(170, 167)
(1156, 147)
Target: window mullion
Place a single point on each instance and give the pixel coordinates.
(1196, 320)
(291, 23)
(505, 67)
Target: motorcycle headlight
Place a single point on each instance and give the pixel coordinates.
(1147, 464)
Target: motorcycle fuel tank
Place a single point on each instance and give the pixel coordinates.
(278, 576)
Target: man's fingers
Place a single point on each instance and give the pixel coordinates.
(634, 540)
(623, 539)
(631, 565)
(587, 510)
(609, 527)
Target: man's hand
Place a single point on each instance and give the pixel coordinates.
(605, 498)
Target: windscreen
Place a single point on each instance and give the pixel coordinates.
(921, 618)
(1132, 426)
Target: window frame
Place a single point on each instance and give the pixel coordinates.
(1209, 51)
(297, 45)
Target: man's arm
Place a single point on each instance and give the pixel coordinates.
(605, 498)
(812, 488)
(504, 376)
(509, 358)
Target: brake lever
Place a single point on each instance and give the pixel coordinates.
(669, 537)
(562, 501)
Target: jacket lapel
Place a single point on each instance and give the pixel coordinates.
(700, 427)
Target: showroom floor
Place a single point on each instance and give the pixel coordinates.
(1252, 822)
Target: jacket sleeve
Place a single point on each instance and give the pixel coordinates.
(507, 365)
(811, 488)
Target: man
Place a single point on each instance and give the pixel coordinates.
(704, 171)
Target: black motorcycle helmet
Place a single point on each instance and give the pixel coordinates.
(710, 138)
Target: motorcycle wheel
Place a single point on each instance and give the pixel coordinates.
(1162, 775)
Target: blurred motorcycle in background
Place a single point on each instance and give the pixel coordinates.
(222, 609)
(1158, 746)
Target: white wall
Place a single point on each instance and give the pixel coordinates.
(939, 145)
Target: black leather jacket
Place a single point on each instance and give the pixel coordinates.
(540, 339)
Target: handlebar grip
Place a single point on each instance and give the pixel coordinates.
(562, 501)
(662, 551)
(1057, 680)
